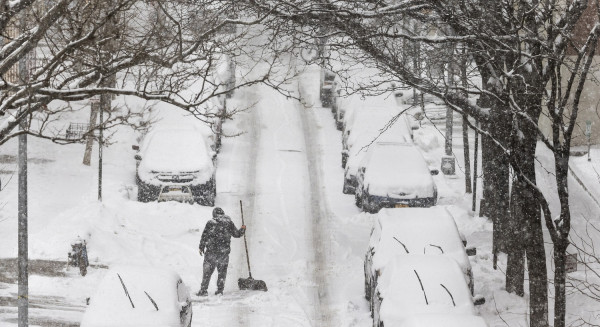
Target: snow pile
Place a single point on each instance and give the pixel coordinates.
(426, 140)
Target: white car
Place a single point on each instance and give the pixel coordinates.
(362, 139)
(421, 285)
(176, 164)
(139, 296)
(395, 175)
(375, 124)
(410, 231)
(344, 114)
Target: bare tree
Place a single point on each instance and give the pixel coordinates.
(152, 49)
(521, 52)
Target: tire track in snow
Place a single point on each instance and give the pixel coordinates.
(318, 217)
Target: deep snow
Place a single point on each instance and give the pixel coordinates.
(306, 239)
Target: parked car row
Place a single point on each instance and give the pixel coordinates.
(382, 166)
(417, 271)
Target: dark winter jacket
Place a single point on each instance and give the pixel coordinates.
(216, 237)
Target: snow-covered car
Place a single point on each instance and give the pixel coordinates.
(421, 285)
(410, 231)
(347, 105)
(171, 161)
(139, 296)
(399, 132)
(375, 124)
(394, 175)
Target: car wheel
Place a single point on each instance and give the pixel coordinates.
(366, 206)
(367, 290)
(209, 198)
(346, 189)
(357, 200)
(344, 161)
(142, 195)
(429, 202)
(369, 206)
(210, 201)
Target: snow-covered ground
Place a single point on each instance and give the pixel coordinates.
(306, 239)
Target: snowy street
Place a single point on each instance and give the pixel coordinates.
(274, 167)
(282, 163)
(306, 239)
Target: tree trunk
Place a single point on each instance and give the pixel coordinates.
(561, 238)
(498, 177)
(515, 261)
(465, 128)
(560, 275)
(523, 146)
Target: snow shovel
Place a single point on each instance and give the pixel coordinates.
(249, 283)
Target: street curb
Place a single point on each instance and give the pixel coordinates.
(583, 186)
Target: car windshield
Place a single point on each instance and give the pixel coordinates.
(176, 150)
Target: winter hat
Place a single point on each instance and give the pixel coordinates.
(217, 212)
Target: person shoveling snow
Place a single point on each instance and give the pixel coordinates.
(215, 242)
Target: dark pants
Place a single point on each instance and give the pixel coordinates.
(212, 261)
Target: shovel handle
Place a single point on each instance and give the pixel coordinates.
(245, 243)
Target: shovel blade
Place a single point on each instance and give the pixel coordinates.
(252, 284)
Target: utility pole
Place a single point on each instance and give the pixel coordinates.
(104, 102)
(23, 287)
(87, 155)
(475, 155)
(465, 120)
(448, 162)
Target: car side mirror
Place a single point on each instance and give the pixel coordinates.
(135, 147)
(478, 300)
(137, 157)
(434, 172)
(471, 251)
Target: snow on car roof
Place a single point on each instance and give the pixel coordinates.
(379, 126)
(438, 286)
(397, 168)
(369, 122)
(110, 306)
(446, 320)
(422, 231)
(361, 140)
(174, 149)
